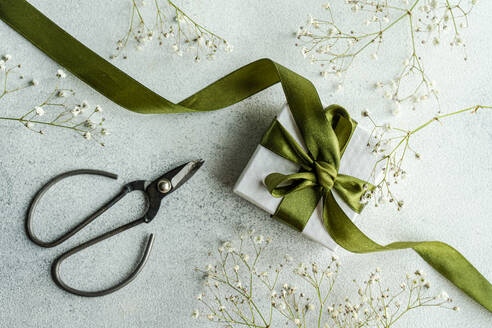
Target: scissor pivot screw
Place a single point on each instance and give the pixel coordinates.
(164, 186)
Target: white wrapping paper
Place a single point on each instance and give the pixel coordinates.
(357, 161)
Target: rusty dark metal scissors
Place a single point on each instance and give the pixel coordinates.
(154, 192)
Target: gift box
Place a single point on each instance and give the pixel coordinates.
(357, 161)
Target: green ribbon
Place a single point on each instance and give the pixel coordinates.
(318, 173)
(324, 143)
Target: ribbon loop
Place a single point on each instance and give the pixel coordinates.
(280, 185)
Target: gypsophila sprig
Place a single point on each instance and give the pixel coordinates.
(59, 109)
(243, 291)
(392, 146)
(170, 25)
(334, 47)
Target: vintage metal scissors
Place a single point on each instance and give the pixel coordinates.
(154, 192)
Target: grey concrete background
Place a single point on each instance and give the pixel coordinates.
(447, 193)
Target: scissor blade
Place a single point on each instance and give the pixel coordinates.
(166, 184)
(185, 172)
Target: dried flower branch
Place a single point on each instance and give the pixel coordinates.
(55, 110)
(240, 294)
(392, 145)
(325, 42)
(171, 23)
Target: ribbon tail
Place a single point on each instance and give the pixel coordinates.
(132, 95)
(442, 257)
(296, 208)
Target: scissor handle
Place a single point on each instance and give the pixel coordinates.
(55, 268)
(81, 225)
(135, 185)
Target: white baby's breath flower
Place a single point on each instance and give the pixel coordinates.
(89, 124)
(75, 111)
(61, 74)
(61, 110)
(245, 257)
(344, 44)
(228, 47)
(39, 111)
(259, 239)
(375, 302)
(304, 51)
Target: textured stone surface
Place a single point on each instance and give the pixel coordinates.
(447, 193)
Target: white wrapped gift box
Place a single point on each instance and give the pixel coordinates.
(357, 161)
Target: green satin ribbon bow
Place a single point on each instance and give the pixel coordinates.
(304, 103)
(318, 174)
